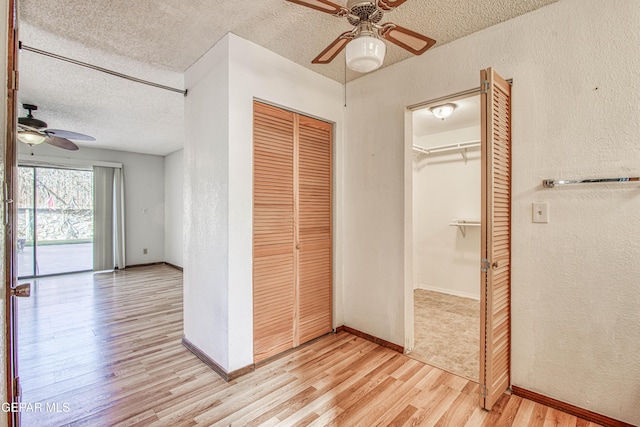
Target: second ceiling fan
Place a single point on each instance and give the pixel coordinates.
(365, 50)
(34, 131)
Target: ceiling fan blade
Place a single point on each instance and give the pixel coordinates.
(333, 49)
(406, 39)
(68, 134)
(28, 128)
(61, 143)
(321, 5)
(388, 5)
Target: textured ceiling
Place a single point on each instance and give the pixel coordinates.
(159, 39)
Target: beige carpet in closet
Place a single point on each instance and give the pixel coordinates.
(447, 332)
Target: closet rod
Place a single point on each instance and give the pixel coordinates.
(550, 183)
(449, 98)
(463, 223)
(445, 148)
(96, 68)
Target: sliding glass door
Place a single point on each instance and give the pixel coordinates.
(55, 221)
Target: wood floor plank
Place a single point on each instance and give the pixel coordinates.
(510, 411)
(459, 412)
(433, 404)
(109, 346)
(525, 412)
(402, 418)
(399, 403)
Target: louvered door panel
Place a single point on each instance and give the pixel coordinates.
(292, 271)
(273, 231)
(496, 238)
(314, 228)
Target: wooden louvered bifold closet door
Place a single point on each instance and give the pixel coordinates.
(495, 304)
(273, 231)
(314, 228)
(292, 275)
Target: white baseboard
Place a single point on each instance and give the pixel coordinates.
(448, 291)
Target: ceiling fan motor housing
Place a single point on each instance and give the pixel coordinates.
(30, 120)
(366, 11)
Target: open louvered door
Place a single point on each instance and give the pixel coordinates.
(292, 240)
(495, 296)
(273, 231)
(314, 230)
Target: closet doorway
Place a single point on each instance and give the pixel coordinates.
(494, 260)
(446, 235)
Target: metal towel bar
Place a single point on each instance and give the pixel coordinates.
(550, 183)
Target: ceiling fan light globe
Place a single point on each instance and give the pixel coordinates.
(365, 54)
(31, 137)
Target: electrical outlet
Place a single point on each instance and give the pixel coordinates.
(540, 212)
(144, 251)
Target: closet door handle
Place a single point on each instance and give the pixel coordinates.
(495, 264)
(297, 246)
(22, 290)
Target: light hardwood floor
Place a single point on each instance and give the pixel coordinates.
(108, 349)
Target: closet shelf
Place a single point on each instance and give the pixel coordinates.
(460, 146)
(462, 224)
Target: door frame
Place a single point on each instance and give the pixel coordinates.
(9, 190)
(409, 341)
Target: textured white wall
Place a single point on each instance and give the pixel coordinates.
(576, 97)
(174, 208)
(218, 185)
(206, 204)
(144, 189)
(445, 187)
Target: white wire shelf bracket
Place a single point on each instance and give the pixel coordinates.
(462, 225)
(550, 183)
(460, 146)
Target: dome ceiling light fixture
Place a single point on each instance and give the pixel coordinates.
(365, 48)
(31, 137)
(443, 111)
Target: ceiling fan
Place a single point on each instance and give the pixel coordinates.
(365, 50)
(33, 132)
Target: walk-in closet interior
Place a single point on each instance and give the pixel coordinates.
(446, 235)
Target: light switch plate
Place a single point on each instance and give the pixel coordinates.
(540, 212)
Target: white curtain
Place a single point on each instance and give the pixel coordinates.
(108, 218)
(118, 218)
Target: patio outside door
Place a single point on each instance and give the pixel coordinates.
(55, 221)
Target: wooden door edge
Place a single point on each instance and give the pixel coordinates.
(484, 179)
(10, 164)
